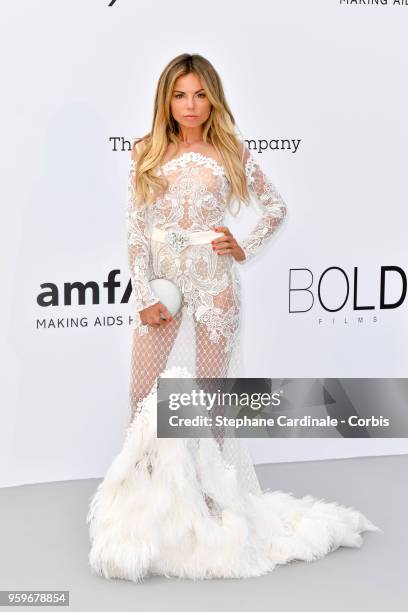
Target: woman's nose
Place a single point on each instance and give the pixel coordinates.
(190, 102)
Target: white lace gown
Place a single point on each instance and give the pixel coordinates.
(193, 507)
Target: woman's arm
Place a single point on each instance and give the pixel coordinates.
(273, 207)
(138, 242)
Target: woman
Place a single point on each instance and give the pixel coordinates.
(194, 507)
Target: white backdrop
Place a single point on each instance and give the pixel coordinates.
(77, 75)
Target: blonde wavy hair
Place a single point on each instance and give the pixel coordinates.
(219, 130)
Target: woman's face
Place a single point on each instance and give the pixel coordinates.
(189, 104)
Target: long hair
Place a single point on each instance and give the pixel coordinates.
(219, 130)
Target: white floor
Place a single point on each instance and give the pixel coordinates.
(44, 545)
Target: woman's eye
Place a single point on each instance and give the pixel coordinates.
(180, 95)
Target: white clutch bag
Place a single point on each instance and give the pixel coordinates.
(168, 293)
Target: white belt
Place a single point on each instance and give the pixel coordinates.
(179, 238)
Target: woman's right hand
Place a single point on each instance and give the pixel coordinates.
(151, 315)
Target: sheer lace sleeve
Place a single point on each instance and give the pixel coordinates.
(271, 203)
(138, 244)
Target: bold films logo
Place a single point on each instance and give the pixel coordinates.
(347, 292)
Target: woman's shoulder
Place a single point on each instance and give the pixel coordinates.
(243, 150)
(138, 145)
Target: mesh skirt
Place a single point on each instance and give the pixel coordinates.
(193, 507)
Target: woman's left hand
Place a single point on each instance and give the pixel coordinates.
(227, 245)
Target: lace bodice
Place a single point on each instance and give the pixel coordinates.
(195, 200)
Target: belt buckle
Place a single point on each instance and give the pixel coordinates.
(177, 239)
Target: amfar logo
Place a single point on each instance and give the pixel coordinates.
(52, 296)
(374, 2)
(334, 290)
(78, 293)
